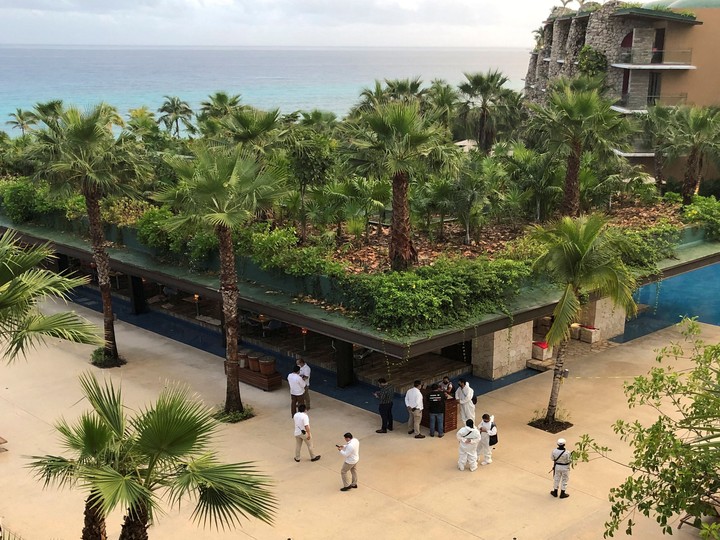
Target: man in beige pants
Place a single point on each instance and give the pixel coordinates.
(302, 433)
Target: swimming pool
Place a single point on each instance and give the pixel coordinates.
(662, 304)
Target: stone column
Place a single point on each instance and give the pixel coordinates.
(638, 89)
(643, 40)
(344, 359)
(503, 352)
(604, 316)
(575, 41)
(561, 29)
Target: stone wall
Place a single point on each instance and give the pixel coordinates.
(604, 316)
(503, 352)
(638, 90)
(561, 29)
(575, 42)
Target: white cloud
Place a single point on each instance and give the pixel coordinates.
(469, 23)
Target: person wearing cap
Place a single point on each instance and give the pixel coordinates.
(561, 469)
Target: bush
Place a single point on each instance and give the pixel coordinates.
(647, 247)
(123, 211)
(98, 359)
(235, 416)
(19, 201)
(151, 228)
(591, 62)
(705, 210)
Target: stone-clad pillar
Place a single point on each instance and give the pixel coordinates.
(561, 29)
(503, 352)
(603, 315)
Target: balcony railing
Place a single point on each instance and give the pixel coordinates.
(664, 100)
(666, 57)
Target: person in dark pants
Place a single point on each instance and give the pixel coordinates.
(385, 395)
(436, 408)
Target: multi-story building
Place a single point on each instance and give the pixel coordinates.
(663, 53)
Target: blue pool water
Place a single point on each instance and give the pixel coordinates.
(693, 294)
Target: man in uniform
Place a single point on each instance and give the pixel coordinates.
(561, 469)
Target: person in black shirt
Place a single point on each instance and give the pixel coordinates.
(436, 408)
(385, 395)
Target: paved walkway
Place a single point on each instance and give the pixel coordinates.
(408, 488)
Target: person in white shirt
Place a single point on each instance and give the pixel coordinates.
(562, 459)
(414, 404)
(468, 438)
(302, 433)
(351, 452)
(487, 428)
(297, 390)
(305, 374)
(464, 395)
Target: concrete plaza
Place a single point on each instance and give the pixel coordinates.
(408, 488)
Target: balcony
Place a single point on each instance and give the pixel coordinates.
(655, 59)
(624, 104)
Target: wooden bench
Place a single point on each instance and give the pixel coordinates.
(258, 380)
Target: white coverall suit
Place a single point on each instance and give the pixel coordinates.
(484, 448)
(468, 439)
(561, 465)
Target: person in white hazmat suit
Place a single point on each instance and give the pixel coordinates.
(487, 428)
(464, 395)
(468, 438)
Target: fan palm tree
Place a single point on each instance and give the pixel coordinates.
(48, 112)
(78, 153)
(161, 452)
(220, 104)
(583, 256)
(470, 192)
(695, 133)
(253, 129)
(574, 122)
(22, 287)
(222, 190)
(484, 95)
(655, 125)
(442, 101)
(395, 141)
(22, 120)
(175, 111)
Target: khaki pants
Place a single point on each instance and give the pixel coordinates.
(306, 395)
(298, 445)
(352, 468)
(414, 420)
(294, 402)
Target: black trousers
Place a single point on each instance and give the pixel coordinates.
(386, 415)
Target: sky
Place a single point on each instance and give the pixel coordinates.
(321, 23)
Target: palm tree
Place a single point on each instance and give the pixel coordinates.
(395, 141)
(253, 129)
(695, 133)
(163, 451)
(22, 120)
(48, 112)
(222, 190)
(78, 153)
(142, 124)
(484, 105)
(442, 101)
(175, 111)
(574, 122)
(470, 192)
(655, 125)
(219, 105)
(22, 287)
(442, 196)
(583, 256)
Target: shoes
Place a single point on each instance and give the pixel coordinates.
(297, 460)
(441, 436)
(460, 468)
(554, 493)
(381, 431)
(389, 429)
(346, 488)
(485, 463)
(419, 436)
(563, 495)
(432, 434)
(353, 486)
(473, 470)
(315, 458)
(411, 431)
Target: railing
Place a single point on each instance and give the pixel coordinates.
(655, 56)
(664, 100)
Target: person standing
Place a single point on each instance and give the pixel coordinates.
(302, 433)
(297, 390)
(487, 429)
(385, 395)
(414, 404)
(561, 469)
(464, 394)
(351, 452)
(447, 386)
(436, 408)
(305, 374)
(468, 438)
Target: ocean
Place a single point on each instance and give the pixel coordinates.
(291, 79)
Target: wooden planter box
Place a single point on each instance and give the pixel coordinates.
(258, 380)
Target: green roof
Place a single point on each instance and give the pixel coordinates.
(694, 4)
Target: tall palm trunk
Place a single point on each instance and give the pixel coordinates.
(94, 523)
(571, 198)
(659, 170)
(102, 266)
(229, 294)
(557, 381)
(135, 524)
(467, 233)
(691, 180)
(402, 252)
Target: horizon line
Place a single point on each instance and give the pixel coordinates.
(279, 47)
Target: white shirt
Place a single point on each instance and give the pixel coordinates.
(414, 399)
(297, 385)
(351, 452)
(305, 374)
(302, 420)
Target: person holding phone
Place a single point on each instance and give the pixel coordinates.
(351, 452)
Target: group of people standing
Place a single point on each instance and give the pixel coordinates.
(473, 440)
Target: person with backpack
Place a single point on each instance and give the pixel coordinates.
(488, 437)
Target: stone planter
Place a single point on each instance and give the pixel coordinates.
(541, 351)
(589, 335)
(575, 331)
(267, 365)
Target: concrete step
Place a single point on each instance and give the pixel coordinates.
(540, 365)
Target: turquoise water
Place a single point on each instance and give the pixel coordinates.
(687, 295)
(291, 79)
